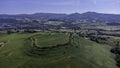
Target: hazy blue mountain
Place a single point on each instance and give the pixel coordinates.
(73, 17)
(36, 15)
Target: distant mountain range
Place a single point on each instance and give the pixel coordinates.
(71, 17)
(36, 20)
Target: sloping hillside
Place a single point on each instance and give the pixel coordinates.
(83, 54)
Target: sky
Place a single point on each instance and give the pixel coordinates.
(59, 6)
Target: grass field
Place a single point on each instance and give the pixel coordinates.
(87, 54)
(47, 40)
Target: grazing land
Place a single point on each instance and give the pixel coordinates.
(83, 53)
(50, 39)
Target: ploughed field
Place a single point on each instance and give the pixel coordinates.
(52, 50)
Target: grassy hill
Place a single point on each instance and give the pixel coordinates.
(83, 54)
(52, 39)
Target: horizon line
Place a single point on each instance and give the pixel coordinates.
(56, 13)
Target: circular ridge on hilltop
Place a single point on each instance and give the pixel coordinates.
(38, 44)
